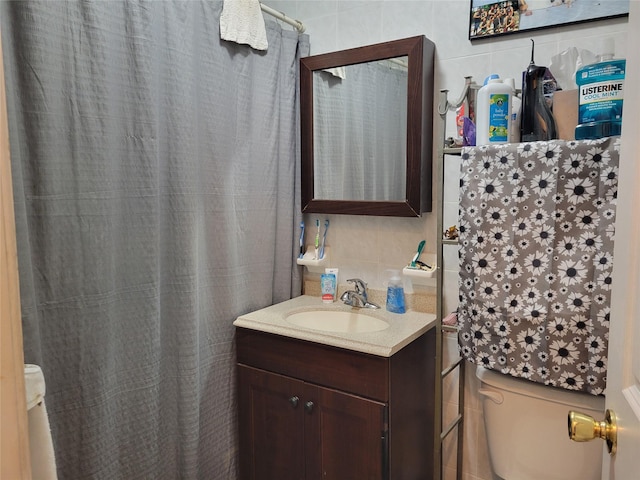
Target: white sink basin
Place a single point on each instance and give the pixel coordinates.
(337, 321)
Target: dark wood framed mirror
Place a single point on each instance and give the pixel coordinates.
(366, 129)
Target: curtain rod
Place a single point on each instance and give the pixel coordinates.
(297, 24)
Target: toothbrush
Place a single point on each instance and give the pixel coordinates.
(301, 240)
(417, 255)
(324, 238)
(317, 245)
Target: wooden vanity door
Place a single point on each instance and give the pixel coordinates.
(345, 436)
(271, 425)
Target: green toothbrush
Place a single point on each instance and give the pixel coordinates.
(417, 255)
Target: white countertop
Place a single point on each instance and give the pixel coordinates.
(403, 328)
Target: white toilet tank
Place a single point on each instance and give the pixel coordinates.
(526, 426)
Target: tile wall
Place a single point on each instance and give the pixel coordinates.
(367, 246)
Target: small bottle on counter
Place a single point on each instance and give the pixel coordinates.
(328, 285)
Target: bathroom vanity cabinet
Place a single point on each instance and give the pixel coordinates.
(313, 411)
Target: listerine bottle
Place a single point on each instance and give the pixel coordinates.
(600, 96)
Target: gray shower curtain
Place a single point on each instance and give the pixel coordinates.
(360, 125)
(155, 178)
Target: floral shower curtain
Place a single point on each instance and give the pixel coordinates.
(156, 200)
(536, 254)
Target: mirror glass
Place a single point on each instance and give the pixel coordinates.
(360, 131)
(366, 129)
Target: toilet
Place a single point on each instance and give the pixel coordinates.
(43, 461)
(526, 425)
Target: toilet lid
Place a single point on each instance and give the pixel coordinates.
(537, 390)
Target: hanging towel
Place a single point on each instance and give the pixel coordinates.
(451, 319)
(338, 72)
(43, 463)
(536, 256)
(242, 22)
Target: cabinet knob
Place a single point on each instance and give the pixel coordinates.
(294, 401)
(308, 407)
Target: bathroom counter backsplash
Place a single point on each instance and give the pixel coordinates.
(402, 330)
(419, 301)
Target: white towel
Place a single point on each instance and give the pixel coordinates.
(339, 72)
(43, 462)
(241, 21)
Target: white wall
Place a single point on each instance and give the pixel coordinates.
(367, 246)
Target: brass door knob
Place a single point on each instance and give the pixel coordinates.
(583, 428)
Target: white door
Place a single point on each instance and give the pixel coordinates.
(623, 377)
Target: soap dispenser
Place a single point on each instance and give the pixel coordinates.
(395, 293)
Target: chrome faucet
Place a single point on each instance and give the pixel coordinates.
(358, 297)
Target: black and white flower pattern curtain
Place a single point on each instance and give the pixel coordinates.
(536, 254)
